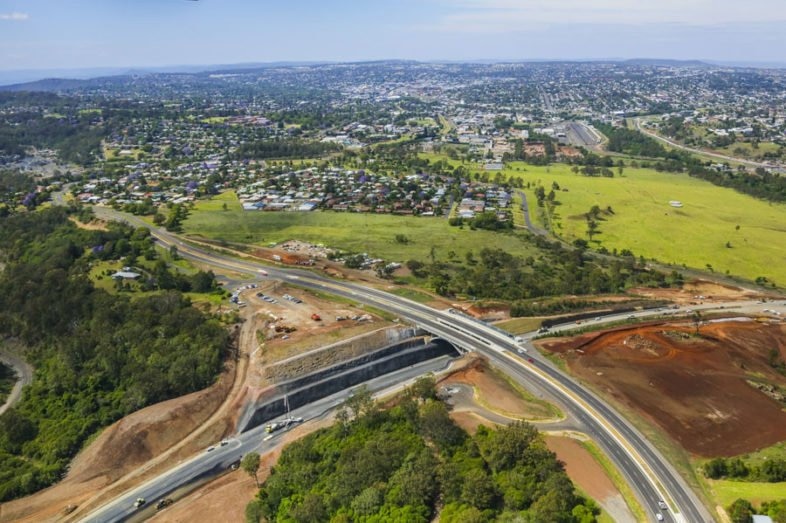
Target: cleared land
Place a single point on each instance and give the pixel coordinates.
(715, 226)
(643, 221)
(726, 492)
(590, 476)
(696, 234)
(494, 393)
(696, 389)
(370, 233)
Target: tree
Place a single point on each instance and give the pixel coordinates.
(592, 228)
(696, 319)
(250, 463)
(360, 402)
(741, 511)
(424, 388)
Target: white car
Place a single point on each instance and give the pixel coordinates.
(659, 516)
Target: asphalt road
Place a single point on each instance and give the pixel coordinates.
(581, 135)
(719, 156)
(212, 462)
(647, 471)
(525, 209)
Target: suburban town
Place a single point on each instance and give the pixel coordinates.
(392, 290)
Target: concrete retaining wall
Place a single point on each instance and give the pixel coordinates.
(348, 374)
(332, 354)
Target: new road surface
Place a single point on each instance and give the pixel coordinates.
(648, 472)
(224, 454)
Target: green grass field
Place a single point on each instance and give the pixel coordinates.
(373, 234)
(695, 235)
(726, 492)
(643, 221)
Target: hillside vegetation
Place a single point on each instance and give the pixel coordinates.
(410, 462)
(97, 357)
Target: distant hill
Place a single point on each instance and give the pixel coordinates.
(666, 62)
(49, 84)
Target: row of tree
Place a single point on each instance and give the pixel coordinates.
(553, 271)
(760, 184)
(771, 470)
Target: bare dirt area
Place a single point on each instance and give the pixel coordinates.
(289, 327)
(225, 498)
(699, 291)
(121, 449)
(589, 475)
(95, 225)
(492, 392)
(469, 421)
(711, 393)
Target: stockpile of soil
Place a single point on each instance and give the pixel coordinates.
(695, 387)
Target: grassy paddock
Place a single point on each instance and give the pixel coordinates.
(725, 492)
(520, 325)
(373, 234)
(643, 221)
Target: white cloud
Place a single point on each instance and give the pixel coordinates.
(515, 15)
(14, 16)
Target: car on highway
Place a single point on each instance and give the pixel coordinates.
(659, 516)
(224, 442)
(140, 502)
(662, 505)
(211, 448)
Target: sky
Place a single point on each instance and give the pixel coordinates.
(65, 34)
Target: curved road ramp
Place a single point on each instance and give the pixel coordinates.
(344, 375)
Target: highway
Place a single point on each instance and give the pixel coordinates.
(712, 154)
(582, 135)
(221, 457)
(648, 472)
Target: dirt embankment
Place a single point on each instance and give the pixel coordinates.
(312, 361)
(119, 450)
(589, 476)
(225, 498)
(490, 392)
(698, 388)
(699, 291)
